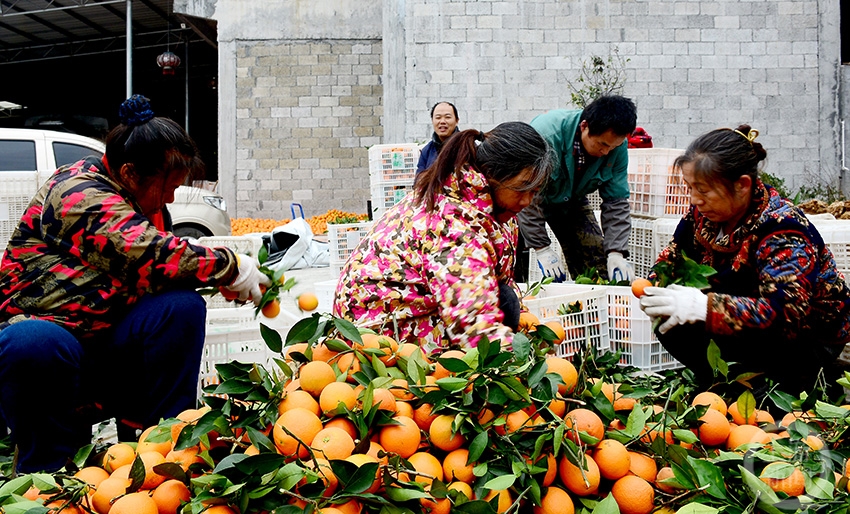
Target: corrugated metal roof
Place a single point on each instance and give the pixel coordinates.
(44, 29)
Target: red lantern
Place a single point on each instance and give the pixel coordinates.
(168, 61)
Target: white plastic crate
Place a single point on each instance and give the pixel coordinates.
(385, 195)
(232, 335)
(594, 200)
(836, 235)
(534, 273)
(325, 292)
(249, 245)
(391, 163)
(642, 252)
(662, 233)
(16, 192)
(343, 238)
(584, 315)
(630, 332)
(656, 188)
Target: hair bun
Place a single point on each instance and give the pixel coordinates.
(135, 110)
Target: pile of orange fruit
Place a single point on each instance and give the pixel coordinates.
(318, 224)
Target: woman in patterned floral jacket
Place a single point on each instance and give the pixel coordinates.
(777, 304)
(437, 268)
(97, 298)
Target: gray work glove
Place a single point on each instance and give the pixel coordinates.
(618, 268)
(679, 304)
(249, 279)
(550, 264)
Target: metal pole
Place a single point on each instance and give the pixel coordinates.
(186, 83)
(129, 48)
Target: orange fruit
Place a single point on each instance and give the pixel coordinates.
(551, 469)
(613, 459)
(345, 424)
(110, 488)
(347, 364)
(665, 480)
(384, 399)
(566, 371)
(713, 400)
(463, 487)
(375, 449)
(219, 509)
(315, 375)
(528, 321)
(303, 424)
(633, 495)
(555, 501)
(308, 302)
(762, 416)
(134, 503)
(335, 393)
(714, 429)
(744, 434)
(64, 507)
(557, 407)
(583, 420)
(169, 495)
(227, 294)
(403, 408)
(185, 457)
(792, 485)
(359, 459)
(558, 329)
(403, 438)
(456, 468)
(152, 478)
(423, 417)
(323, 468)
(190, 415)
(295, 348)
(401, 390)
(321, 352)
(333, 443)
(439, 370)
(390, 348)
(505, 500)
(145, 446)
(92, 475)
(271, 309)
(639, 285)
(513, 421)
(738, 417)
(350, 507)
(581, 484)
(642, 466)
(298, 398)
(426, 464)
(442, 436)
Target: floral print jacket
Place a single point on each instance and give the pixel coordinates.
(83, 254)
(774, 274)
(433, 275)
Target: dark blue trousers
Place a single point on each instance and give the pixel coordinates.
(144, 370)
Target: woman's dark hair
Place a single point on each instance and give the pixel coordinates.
(724, 155)
(447, 103)
(500, 155)
(151, 145)
(610, 112)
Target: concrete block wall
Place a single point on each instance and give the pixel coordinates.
(692, 66)
(306, 112)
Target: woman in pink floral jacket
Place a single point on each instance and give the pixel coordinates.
(437, 268)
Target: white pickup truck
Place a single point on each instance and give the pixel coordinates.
(29, 156)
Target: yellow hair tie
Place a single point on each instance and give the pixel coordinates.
(749, 136)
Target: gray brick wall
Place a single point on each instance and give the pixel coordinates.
(306, 111)
(693, 66)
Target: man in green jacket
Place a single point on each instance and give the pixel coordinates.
(590, 151)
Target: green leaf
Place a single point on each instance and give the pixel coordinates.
(685, 436)
(517, 386)
(453, 365)
(709, 474)
(233, 387)
(500, 482)
(758, 489)
(478, 445)
(827, 411)
(558, 438)
(697, 508)
(782, 400)
(303, 330)
(137, 475)
(607, 506)
(819, 488)
(537, 373)
(398, 494)
(271, 337)
(483, 351)
(452, 383)
(636, 422)
(347, 329)
(362, 479)
(260, 464)
(746, 404)
(17, 485)
(714, 360)
(521, 347)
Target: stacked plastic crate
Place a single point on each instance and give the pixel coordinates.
(392, 169)
(343, 238)
(16, 191)
(248, 245)
(581, 309)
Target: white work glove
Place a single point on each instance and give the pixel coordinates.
(247, 282)
(681, 304)
(618, 268)
(550, 264)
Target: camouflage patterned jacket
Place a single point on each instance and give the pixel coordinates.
(83, 254)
